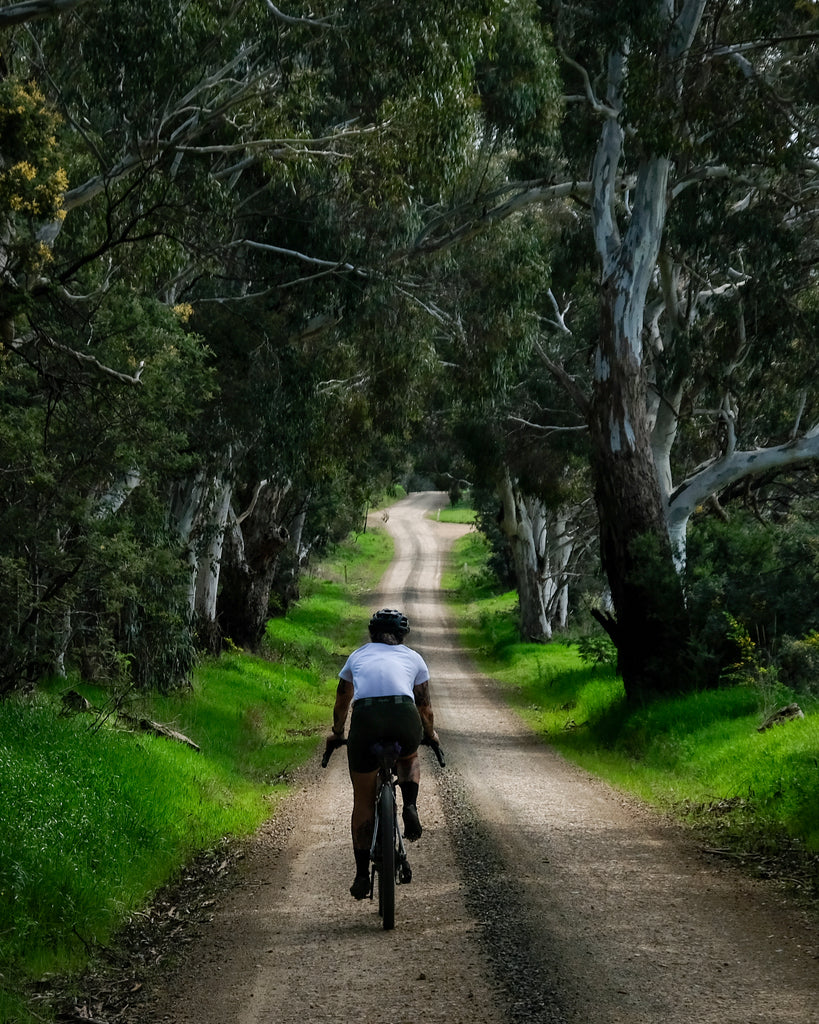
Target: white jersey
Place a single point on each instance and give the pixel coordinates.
(384, 670)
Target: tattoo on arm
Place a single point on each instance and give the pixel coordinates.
(344, 694)
(421, 694)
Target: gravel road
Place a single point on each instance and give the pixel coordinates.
(539, 893)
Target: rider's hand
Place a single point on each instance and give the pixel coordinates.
(434, 742)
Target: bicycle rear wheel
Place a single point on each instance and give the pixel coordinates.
(386, 872)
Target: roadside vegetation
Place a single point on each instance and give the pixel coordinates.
(95, 818)
(751, 795)
(457, 512)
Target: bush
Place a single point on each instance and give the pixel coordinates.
(799, 663)
(764, 577)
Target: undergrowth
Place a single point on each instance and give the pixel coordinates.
(699, 757)
(94, 818)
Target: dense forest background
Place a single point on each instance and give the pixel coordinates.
(260, 265)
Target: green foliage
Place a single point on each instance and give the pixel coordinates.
(461, 512)
(520, 89)
(699, 756)
(92, 824)
(93, 819)
(798, 661)
(472, 576)
(597, 650)
(93, 576)
(32, 184)
(410, 67)
(763, 582)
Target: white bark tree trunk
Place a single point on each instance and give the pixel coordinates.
(541, 547)
(184, 508)
(198, 510)
(650, 615)
(209, 556)
(726, 470)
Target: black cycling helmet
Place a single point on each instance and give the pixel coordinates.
(389, 620)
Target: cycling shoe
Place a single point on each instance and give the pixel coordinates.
(360, 887)
(412, 826)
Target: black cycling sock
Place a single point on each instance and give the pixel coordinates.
(362, 862)
(409, 791)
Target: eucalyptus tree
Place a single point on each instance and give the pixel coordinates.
(521, 438)
(242, 167)
(671, 101)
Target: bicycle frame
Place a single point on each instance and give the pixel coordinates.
(388, 855)
(387, 852)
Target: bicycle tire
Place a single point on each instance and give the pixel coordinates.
(386, 874)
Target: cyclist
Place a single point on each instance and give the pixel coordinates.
(388, 685)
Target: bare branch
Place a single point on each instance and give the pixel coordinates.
(328, 387)
(759, 44)
(710, 173)
(727, 469)
(545, 429)
(290, 20)
(803, 398)
(594, 102)
(257, 490)
(560, 323)
(472, 226)
(31, 10)
(314, 260)
(568, 383)
(82, 358)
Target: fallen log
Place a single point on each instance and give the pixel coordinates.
(158, 729)
(74, 703)
(786, 714)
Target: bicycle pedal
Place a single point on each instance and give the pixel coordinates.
(405, 874)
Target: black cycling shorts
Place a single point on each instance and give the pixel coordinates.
(382, 719)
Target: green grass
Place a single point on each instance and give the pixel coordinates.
(94, 819)
(456, 513)
(699, 757)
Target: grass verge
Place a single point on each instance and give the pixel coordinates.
(94, 819)
(459, 512)
(750, 795)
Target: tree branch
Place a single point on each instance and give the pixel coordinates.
(290, 20)
(31, 10)
(564, 379)
(472, 226)
(82, 357)
(313, 260)
(727, 469)
(544, 428)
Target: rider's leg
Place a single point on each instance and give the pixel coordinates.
(409, 775)
(361, 825)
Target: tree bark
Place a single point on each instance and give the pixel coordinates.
(250, 554)
(650, 625)
(541, 548)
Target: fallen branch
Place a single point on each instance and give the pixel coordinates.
(158, 729)
(75, 703)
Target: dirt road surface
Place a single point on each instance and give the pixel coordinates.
(539, 894)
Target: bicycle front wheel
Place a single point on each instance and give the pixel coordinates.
(386, 872)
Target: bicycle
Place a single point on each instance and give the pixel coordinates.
(388, 855)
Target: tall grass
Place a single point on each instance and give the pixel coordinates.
(94, 819)
(699, 756)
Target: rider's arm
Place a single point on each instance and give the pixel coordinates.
(424, 705)
(344, 695)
